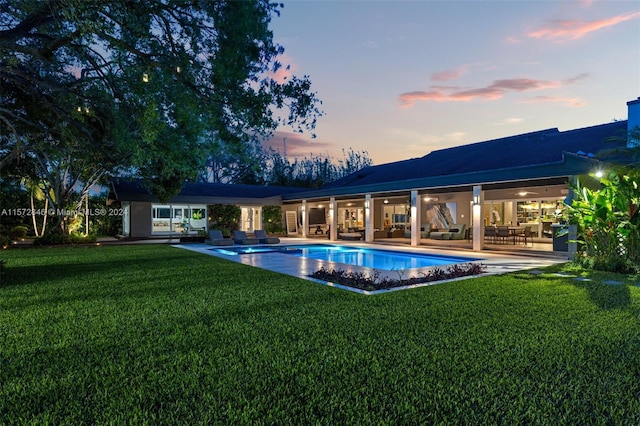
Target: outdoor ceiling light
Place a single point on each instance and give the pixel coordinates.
(427, 199)
(386, 201)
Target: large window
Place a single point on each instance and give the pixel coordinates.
(178, 218)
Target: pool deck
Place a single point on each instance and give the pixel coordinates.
(496, 262)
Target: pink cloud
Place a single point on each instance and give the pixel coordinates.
(563, 29)
(572, 102)
(494, 91)
(409, 98)
(446, 75)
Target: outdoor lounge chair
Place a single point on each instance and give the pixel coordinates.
(264, 239)
(240, 237)
(216, 239)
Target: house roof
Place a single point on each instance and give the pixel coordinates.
(203, 193)
(536, 156)
(542, 154)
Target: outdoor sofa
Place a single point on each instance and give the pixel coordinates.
(454, 232)
(352, 236)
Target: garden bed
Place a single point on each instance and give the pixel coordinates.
(372, 282)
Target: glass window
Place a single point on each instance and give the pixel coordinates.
(161, 212)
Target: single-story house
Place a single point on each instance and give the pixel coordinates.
(517, 180)
(145, 216)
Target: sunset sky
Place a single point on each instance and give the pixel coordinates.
(400, 79)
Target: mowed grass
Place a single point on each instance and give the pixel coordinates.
(152, 334)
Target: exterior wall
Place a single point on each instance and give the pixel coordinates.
(633, 118)
(140, 217)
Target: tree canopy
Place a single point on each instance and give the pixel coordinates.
(89, 87)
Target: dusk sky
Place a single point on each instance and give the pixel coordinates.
(400, 79)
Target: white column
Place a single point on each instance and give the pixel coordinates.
(415, 218)
(303, 212)
(478, 222)
(333, 219)
(368, 218)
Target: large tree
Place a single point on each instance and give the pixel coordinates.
(88, 87)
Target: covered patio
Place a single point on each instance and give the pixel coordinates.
(450, 197)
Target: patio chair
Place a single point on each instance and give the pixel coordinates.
(525, 235)
(503, 233)
(490, 233)
(264, 239)
(240, 237)
(216, 239)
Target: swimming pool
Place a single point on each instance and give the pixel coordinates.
(380, 259)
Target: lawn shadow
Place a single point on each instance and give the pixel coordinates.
(606, 296)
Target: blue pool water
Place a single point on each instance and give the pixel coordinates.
(365, 257)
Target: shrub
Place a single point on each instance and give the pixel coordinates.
(616, 264)
(18, 232)
(224, 217)
(272, 219)
(56, 238)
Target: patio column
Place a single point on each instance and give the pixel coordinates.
(303, 213)
(368, 218)
(333, 219)
(415, 218)
(478, 215)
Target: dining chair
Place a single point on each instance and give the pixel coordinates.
(525, 234)
(503, 233)
(490, 233)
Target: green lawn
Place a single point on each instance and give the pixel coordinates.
(152, 334)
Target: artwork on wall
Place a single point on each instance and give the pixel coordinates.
(441, 215)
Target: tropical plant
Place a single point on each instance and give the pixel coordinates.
(608, 222)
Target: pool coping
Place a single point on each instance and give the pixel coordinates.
(300, 267)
